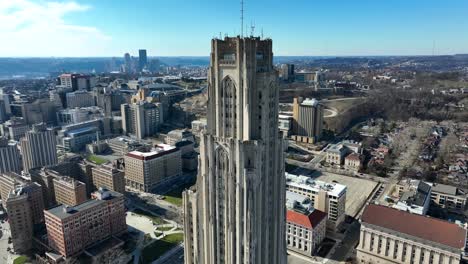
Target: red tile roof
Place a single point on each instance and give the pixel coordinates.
(309, 221)
(424, 227)
(353, 156)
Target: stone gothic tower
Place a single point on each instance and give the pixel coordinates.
(236, 211)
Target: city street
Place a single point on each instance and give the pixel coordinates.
(5, 256)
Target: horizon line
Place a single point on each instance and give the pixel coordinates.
(207, 56)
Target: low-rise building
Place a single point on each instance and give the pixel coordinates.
(414, 198)
(305, 226)
(178, 135)
(326, 197)
(389, 235)
(146, 169)
(70, 230)
(353, 162)
(336, 153)
(448, 197)
(285, 123)
(198, 126)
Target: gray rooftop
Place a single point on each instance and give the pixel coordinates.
(63, 212)
(442, 188)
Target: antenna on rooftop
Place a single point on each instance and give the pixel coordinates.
(242, 18)
(262, 33)
(252, 29)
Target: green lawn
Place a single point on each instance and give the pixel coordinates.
(20, 260)
(175, 196)
(156, 249)
(157, 220)
(162, 229)
(96, 159)
(174, 199)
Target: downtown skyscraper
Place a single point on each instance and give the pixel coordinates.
(236, 211)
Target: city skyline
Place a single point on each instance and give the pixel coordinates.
(86, 28)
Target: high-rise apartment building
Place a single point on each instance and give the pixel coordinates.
(141, 119)
(308, 120)
(146, 169)
(236, 212)
(71, 229)
(69, 191)
(15, 128)
(287, 72)
(142, 59)
(9, 156)
(10, 181)
(5, 97)
(38, 148)
(77, 81)
(39, 111)
(326, 197)
(20, 220)
(110, 177)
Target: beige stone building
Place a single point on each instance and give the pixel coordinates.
(11, 182)
(69, 191)
(236, 211)
(337, 153)
(20, 220)
(307, 120)
(25, 207)
(449, 197)
(392, 236)
(110, 177)
(353, 162)
(326, 197)
(305, 226)
(146, 169)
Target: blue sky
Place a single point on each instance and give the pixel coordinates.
(184, 27)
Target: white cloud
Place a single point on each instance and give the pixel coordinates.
(40, 29)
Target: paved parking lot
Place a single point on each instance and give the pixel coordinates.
(357, 192)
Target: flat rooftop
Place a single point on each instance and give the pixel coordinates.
(155, 152)
(309, 183)
(443, 188)
(310, 102)
(62, 213)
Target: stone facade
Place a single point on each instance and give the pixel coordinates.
(236, 212)
(394, 236)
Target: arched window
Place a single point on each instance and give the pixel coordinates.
(228, 107)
